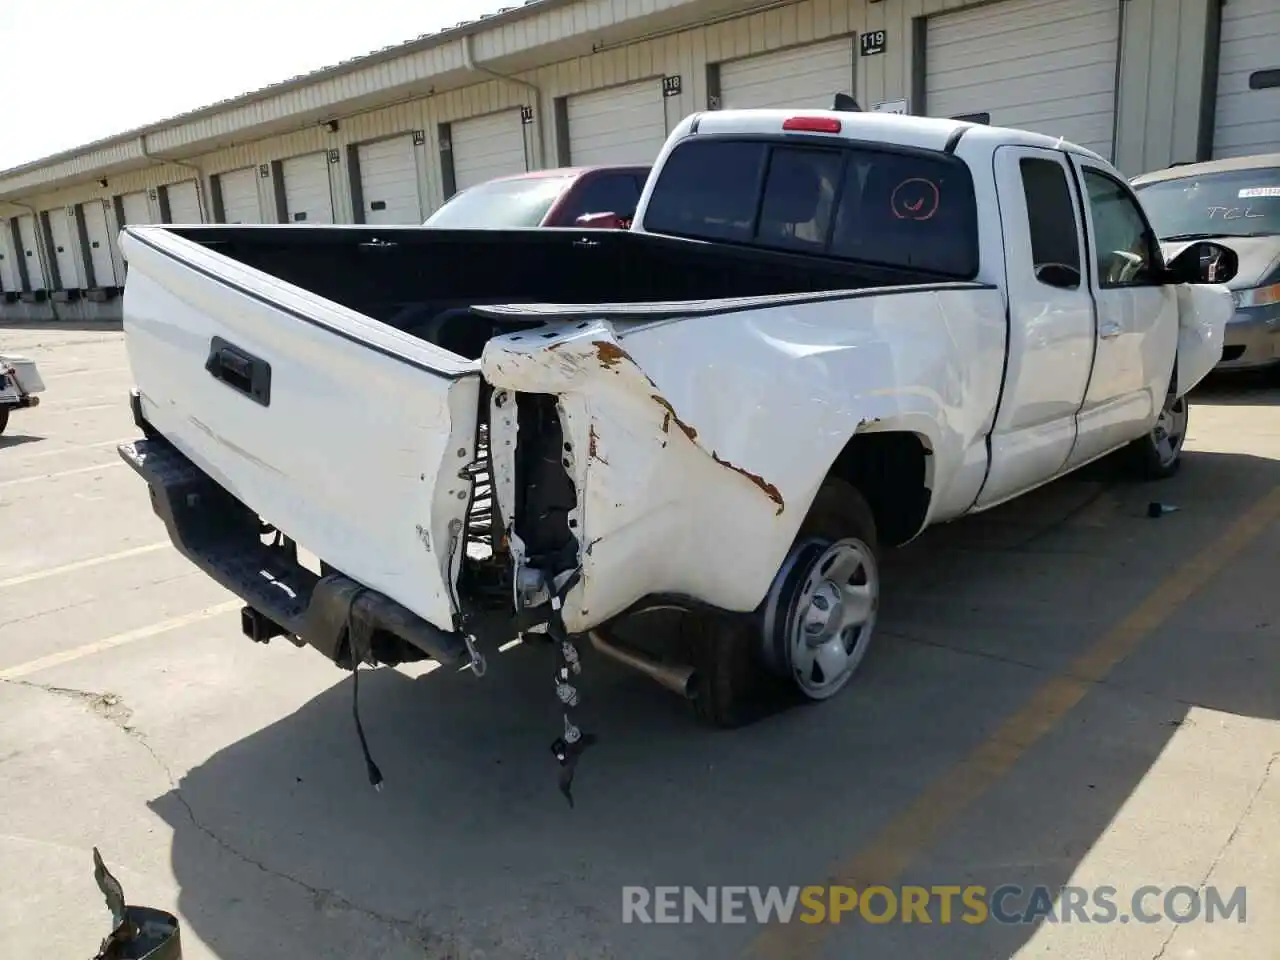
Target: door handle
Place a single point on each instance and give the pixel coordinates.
(1109, 330)
(241, 371)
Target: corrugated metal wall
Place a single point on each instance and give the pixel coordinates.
(1162, 62)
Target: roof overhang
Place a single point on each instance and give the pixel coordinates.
(539, 33)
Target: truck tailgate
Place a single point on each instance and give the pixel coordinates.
(342, 433)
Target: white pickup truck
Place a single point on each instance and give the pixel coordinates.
(825, 332)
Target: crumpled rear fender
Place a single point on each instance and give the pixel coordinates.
(697, 445)
(1203, 312)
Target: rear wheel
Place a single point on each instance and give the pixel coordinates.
(815, 626)
(4, 418)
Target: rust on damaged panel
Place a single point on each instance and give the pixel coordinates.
(592, 452)
(610, 354)
(768, 488)
(671, 416)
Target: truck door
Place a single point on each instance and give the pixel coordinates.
(1051, 322)
(1137, 316)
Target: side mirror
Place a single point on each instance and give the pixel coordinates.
(1204, 262)
(603, 221)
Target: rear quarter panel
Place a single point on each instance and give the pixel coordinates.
(699, 443)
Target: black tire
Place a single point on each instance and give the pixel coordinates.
(734, 686)
(4, 418)
(1144, 458)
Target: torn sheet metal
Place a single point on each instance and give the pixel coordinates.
(1203, 312)
(696, 443)
(137, 933)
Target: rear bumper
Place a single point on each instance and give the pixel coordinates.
(224, 539)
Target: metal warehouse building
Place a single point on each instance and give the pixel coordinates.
(387, 137)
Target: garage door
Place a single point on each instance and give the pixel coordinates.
(136, 208)
(64, 249)
(808, 76)
(31, 253)
(487, 147)
(1043, 65)
(184, 202)
(10, 279)
(1247, 117)
(99, 236)
(307, 197)
(620, 125)
(239, 189)
(389, 181)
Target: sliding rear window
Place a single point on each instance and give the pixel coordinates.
(911, 210)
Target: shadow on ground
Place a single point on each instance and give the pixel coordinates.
(17, 440)
(471, 851)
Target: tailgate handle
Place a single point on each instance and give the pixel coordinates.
(240, 371)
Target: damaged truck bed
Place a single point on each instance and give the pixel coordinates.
(825, 332)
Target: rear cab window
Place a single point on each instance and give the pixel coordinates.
(886, 206)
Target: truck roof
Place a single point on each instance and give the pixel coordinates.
(930, 133)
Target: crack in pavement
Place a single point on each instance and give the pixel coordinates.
(112, 708)
(1222, 851)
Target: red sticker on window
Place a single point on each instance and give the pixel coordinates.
(915, 199)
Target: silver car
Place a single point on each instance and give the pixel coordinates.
(1236, 203)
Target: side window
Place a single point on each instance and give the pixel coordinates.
(1055, 244)
(798, 193)
(1126, 250)
(604, 193)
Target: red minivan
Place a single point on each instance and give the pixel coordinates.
(602, 197)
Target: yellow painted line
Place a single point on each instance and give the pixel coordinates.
(119, 640)
(63, 473)
(82, 564)
(915, 830)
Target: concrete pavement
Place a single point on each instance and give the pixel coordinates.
(1063, 692)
